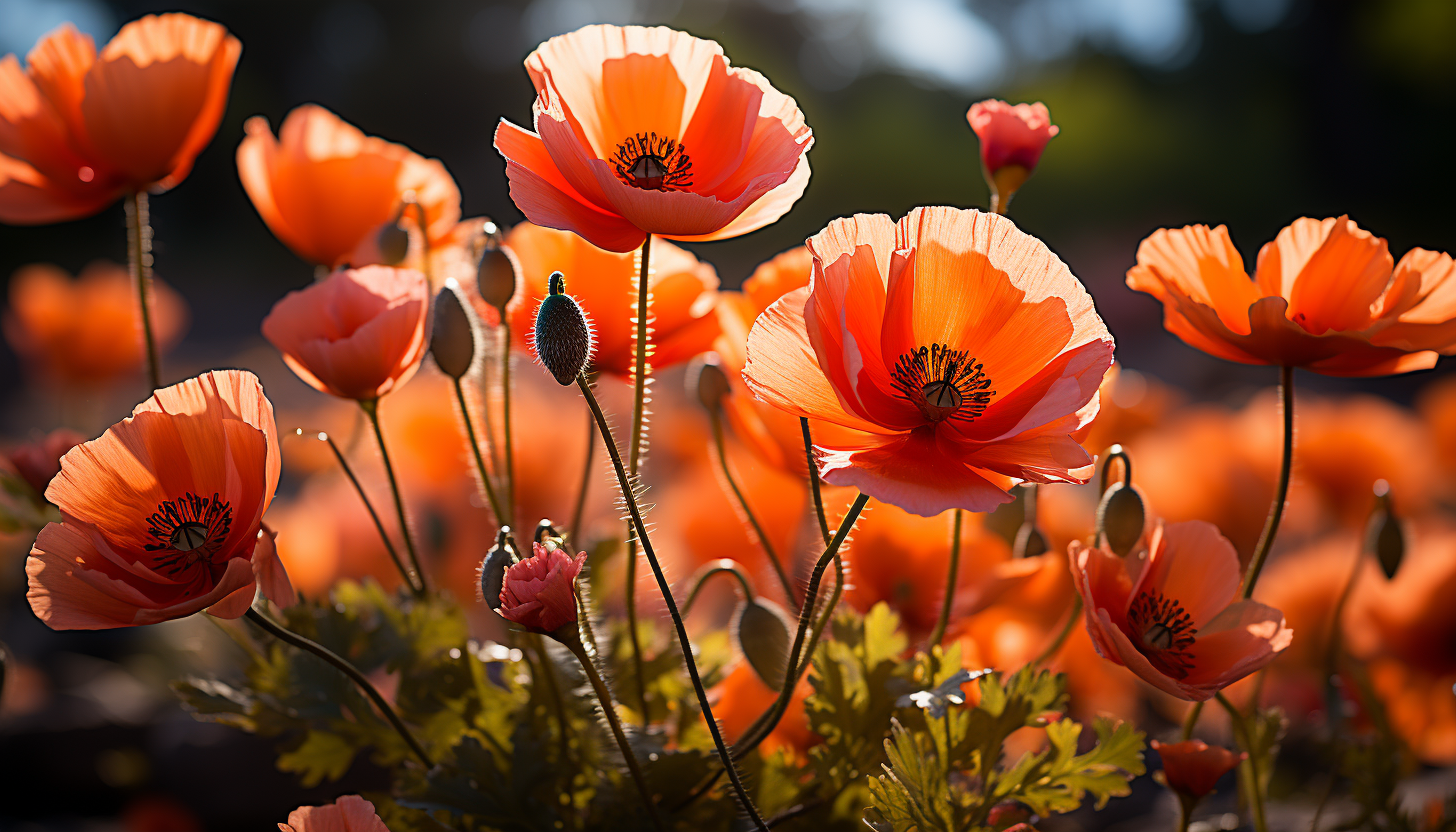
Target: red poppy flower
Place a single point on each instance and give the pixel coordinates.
(1192, 768)
(539, 592)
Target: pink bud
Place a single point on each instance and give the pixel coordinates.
(539, 592)
(1010, 135)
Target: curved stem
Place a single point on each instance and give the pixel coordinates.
(640, 370)
(716, 418)
(682, 634)
(1281, 491)
(1055, 647)
(480, 468)
(814, 479)
(139, 261)
(287, 636)
(1190, 721)
(937, 634)
(798, 656)
(510, 450)
(1249, 768)
(720, 566)
(409, 578)
(586, 477)
(371, 409)
(1334, 642)
(604, 697)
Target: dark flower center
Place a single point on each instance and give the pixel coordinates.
(653, 164)
(1164, 631)
(944, 383)
(188, 530)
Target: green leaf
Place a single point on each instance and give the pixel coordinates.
(321, 756)
(1058, 779)
(913, 792)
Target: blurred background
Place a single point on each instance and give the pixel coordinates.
(1248, 113)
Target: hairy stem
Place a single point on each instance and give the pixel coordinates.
(287, 636)
(1281, 491)
(716, 418)
(409, 577)
(510, 449)
(640, 369)
(586, 478)
(371, 409)
(814, 479)
(682, 634)
(139, 261)
(480, 467)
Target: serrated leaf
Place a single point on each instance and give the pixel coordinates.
(1058, 779)
(913, 792)
(321, 756)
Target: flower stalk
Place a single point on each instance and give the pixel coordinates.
(371, 409)
(409, 576)
(480, 467)
(640, 369)
(715, 416)
(813, 471)
(938, 634)
(1281, 490)
(139, 262)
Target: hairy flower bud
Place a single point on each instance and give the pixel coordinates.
(761, 629)
(708, 382)
(1121, 517)
(393, 241)
(495, 277)
(493, 570)
(1383, 534)
(562, 335)
(453, 340)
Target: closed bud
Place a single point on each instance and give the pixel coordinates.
(544, 531)
(762, 631)
(453, 340)
(1383, 534)
(563, 336)
(1030, 542)
(493, 571)
(393, 241)
(1121, 518)
(495, 277)
(708, 382)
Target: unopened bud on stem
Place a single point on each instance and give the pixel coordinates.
(708, 382)
(493, 570)
(1383, 534)
(495, 277)
(761, 629)
(563, 337)
(453, 340)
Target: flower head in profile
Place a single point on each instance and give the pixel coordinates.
(357, 334)
(962, 352)
(325, 189)
(539, 592)
(651, 131)
(79, 130)
(84, 330)
(1172, 613)
(1326, 295)
(162, 515)
(1193, 767)
(1012, 139)
(350, 813)
(605, 284)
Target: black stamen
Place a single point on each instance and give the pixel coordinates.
(188, 530)
(944, 383)
(653, 164)
(1165, 632)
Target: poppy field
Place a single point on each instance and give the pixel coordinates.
(560, 528)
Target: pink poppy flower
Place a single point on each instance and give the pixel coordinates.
(539, 592)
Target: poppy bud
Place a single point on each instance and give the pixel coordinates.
(544, 530)
(1121, 518)
(563, 336)
(1191, 768)
(539, 592)
(1383, 534)
(762, 631)
(493, 571)
(495, 277)
(453, 340)
(1030, 542)
(708, 382)
(393, 241)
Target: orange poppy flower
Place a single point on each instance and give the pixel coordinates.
(357, 334)
(162, 515)
(961, 346)
(87, 330)
(325, 189)
(1192, 768)
(605, 283)
(651, 131)
(1170, 614)
(350, 813)
(741, 697)
(80, 130)
(1326, 296)
(1404, 630)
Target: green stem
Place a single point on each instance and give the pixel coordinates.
(732, 567)
(937, 634)
(480, 468)
(586, 478)
(1281, 491)
(409, 578)
(640, 369)
(287, 636)
(1335, 642)
(139, 261)
(510, 449)
(553, 690)
(1055, 647)
(604, 697)
(371, 409)
(682, 634)
(716, 417)
(1190, 721)
(1249, 768)
(1185, 814)
(814, 479)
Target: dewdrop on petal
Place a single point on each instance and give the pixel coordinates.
(708, 382)
(452, 342)
(493, 570)
(562, 336)
(761, 629)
